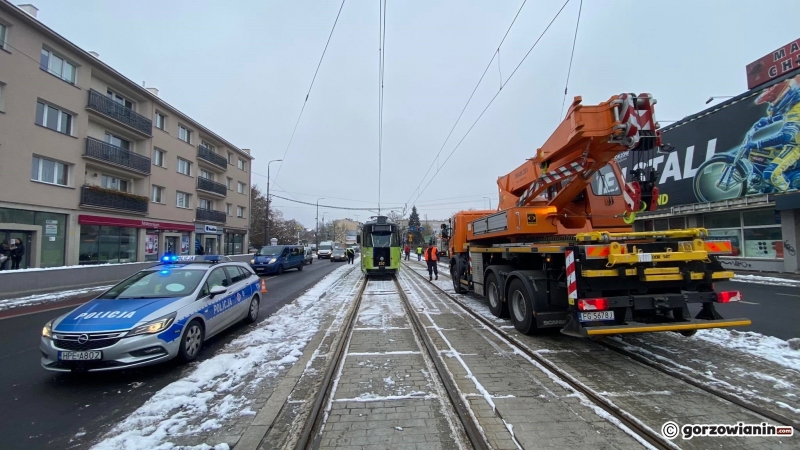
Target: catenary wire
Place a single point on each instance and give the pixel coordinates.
(493, 98)
(571, 55)
(308, 94)
(467, 104)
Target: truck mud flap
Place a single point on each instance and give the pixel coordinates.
(574, 328)
(551, 319)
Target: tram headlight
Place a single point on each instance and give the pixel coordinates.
(381, 258)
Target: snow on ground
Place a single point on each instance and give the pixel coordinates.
(47, 298)
(214, 388)
(785, 353)
(770, 281)
(36, 269)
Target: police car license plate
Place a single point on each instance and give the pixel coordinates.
(80, 356)
(592, 316)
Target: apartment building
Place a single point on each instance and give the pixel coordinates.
(96, 169)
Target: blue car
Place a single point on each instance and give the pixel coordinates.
(277, 258)
(159, 313)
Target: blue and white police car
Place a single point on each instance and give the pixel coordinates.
(160, 313)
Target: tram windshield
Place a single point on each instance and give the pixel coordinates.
(381, 240)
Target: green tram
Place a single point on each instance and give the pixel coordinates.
(380, 247)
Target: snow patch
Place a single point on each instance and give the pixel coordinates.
(767, 347)
(47, 298)
(770, 281)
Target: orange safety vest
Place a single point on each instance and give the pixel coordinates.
(431, 254)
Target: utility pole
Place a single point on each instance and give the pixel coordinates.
(316, 235)
(266, 221)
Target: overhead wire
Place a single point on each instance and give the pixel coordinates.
(308, 94)
(381, 62)
(571, 55)
(495, 54)
(493, 98)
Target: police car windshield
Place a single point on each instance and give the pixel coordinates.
(157, 283)
(270, 251)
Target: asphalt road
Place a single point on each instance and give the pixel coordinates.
(41, 409)
(774, 310)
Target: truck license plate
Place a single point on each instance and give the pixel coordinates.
(593, 316)
(80, 356)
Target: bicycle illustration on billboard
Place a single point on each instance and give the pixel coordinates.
(764, 166)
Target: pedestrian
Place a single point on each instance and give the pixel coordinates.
(408, 251)
(419, 253)
(432, 258)
(351, 255)
(17, 252)
(5, 253)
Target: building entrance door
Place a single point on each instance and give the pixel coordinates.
(171, 242)
(25, 237)
(211, 246)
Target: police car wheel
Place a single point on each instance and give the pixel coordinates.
(192, 341)
(252, 314)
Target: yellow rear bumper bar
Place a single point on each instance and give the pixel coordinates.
(684, 326)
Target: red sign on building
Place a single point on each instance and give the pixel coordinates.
(782, 61)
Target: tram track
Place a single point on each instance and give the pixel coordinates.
(312, 432)
(625, 417)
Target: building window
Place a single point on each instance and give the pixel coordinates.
(206, 174)
(228, 209)
(53, 118)
(119, 99)
(184, 134)
(2, 97)
(160, 120)
(230, 158)
(109, 182)
(208, 145)
(183, 200)
(205, 204)
(184, 167)
(158, 194)
(229, 183)
(234, 243)
(57, 66)
(105, 244)
(49, 171)
(158, 157)
(240, 211)
(3, 34)
(117, 141)
(242, 165)
(240, 187)
(753, 234)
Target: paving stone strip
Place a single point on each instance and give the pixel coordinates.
(541, 411)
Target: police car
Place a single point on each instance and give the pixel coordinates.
(160, 313)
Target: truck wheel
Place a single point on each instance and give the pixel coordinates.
(521, 308)
(688, 333)
(455, 276)
(496, 304)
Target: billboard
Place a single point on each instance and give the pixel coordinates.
(745, 148)
(350, 237)
(773, 65)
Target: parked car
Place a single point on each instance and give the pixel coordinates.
(309, 255)
(159, 313)
(277, 258)
(338, 255)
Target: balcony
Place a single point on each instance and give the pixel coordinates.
(109, 108)
(97, 197)
(204, 184)
(209, 215)
(204, 154)
(105, 152)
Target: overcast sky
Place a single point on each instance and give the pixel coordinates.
(242, 69)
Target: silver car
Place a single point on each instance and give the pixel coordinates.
(160, 313)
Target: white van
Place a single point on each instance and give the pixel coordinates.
(325, 249)
(308, 253)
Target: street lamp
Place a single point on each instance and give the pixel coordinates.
(323, 224)
(266, 224)
(711, 99)
(490, 202)
(317, 233)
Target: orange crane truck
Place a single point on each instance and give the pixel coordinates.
(559, 252)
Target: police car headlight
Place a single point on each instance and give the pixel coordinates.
(272, 261)
(47, 331)
(155, 326)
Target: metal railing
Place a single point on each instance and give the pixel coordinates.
(211, 186)
(114, 110)
(208, 155)
(104, 151)
(210, 215)
(107, 199)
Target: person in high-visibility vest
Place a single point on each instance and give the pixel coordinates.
(432, 259)
(419, 253)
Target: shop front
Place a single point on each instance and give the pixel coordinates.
(208, 238)
(109, 240)
(234, 241)
(43, 235)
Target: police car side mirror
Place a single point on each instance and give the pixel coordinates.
(216, 290)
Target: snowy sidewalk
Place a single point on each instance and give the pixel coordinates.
(39, 299)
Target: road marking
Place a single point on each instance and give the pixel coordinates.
(748, 303)
(788, 295)
(42, 310)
